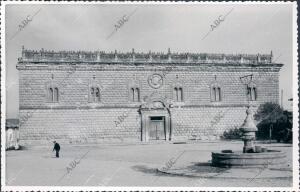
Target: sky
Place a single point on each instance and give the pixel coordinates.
(247, 29)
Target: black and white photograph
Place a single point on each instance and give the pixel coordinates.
(149, 96)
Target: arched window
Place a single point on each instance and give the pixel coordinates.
(216, 94)
(254, 93)
(219, 94)
(50, 94)
(132, 95)
(135, 94)
(178, 94)
(92, 93)
(95, 94)
(251, 92)
(56, 94)
(53, 94)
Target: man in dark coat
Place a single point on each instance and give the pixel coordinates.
(56, 148)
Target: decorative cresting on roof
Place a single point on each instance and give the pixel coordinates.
(150, 57)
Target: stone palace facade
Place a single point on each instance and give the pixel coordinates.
(96, 96)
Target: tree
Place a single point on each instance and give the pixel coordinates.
(273, 121)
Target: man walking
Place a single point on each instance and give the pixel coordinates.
(56, 148)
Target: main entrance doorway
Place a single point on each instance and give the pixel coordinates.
(157, 128)
(155, 122)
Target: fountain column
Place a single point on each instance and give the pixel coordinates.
(248, 129)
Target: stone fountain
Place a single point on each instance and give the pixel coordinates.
(251, 156)
(251, 162)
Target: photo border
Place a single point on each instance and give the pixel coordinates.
(100, 188)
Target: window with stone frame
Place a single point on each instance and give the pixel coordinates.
(135, 94)
(252, 93)
(56, 95)
(216, 93)
(178, 94)
(53, 94)
(95, 94)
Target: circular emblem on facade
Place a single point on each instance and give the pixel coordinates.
(155, 81)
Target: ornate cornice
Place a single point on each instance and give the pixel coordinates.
(136, 106)
(101, 57)
(162, 69)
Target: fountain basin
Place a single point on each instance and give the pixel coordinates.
(240, 159)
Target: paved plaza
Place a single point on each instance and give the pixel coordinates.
(130, 165)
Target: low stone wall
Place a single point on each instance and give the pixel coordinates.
(239, 159)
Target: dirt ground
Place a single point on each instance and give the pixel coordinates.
(125, 165)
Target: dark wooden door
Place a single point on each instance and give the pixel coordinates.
(157, 128)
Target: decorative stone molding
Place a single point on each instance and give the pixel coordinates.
(134, 90)
(155, 81)
(135, 105)
(178, 88)
(97, 86)
(52, 98)
(156, 108)
(116, 57)
(216, 96)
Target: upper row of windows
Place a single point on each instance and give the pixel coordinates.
(53, 94)
(95, 95)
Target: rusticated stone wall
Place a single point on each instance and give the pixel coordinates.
(205, 123)
(116, 118)
(105, 125)
(80, 125)
(115, 84)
